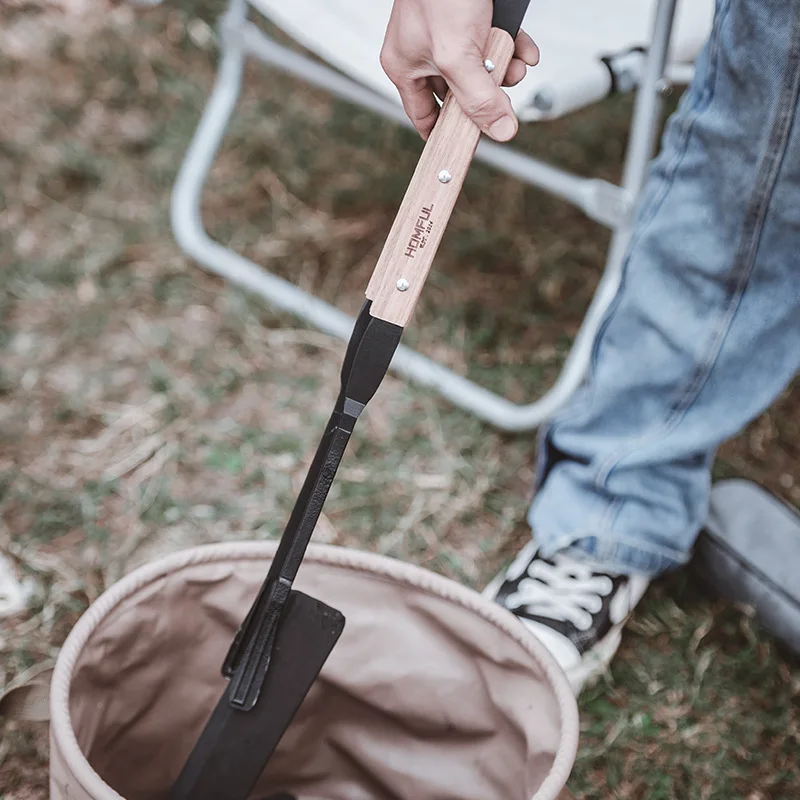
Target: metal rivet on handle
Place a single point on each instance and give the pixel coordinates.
(488, 65)
(402, 285)
(445, 176)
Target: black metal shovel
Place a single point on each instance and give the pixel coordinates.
(287, 636)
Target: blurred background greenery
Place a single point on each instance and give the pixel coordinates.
(146, 405)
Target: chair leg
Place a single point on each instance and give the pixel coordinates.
(185, 216)
(465, 394)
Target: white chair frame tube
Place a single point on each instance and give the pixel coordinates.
(606, 203)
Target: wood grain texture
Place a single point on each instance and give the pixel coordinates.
(426, 207)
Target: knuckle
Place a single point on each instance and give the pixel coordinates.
(484, 107)
(390, 62)
(449, 59)
(428, 117)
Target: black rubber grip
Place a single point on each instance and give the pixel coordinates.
(508, 15)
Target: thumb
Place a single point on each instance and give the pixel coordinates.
(479, 96)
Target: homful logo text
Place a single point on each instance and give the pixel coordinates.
(422, 228)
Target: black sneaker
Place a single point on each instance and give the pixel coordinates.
(575, 610)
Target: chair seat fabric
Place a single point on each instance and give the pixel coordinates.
(573, 36)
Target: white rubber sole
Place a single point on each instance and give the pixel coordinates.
(596, 662)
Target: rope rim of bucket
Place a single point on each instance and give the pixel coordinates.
(412, 576)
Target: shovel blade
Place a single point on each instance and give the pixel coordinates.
(235, 745)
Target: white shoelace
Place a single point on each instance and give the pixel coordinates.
(565, 590)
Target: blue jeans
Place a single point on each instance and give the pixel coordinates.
(705, 330)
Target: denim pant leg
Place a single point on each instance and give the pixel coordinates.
(705, 330)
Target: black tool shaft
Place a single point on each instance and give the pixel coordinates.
(508, 15)
(286, 637)
(250, 660)
(367, 359)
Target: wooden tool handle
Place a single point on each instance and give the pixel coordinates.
(406, 258)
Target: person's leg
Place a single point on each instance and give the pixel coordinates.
(704, 332)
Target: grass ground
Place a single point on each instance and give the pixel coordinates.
(146, 406)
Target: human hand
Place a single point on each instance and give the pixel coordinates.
(431, 45)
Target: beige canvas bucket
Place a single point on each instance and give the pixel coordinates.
(432, 693)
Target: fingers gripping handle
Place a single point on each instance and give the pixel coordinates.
(417, 230)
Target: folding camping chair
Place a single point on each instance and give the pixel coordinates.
(590, 49)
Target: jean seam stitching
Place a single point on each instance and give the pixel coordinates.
(610, 514)
(651, 549)
(611, 547)
(648, 210)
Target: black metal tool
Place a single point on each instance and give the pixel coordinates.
(287, 636)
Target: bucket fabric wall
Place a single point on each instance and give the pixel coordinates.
(432, 693)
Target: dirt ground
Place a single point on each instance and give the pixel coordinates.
(146, 406)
